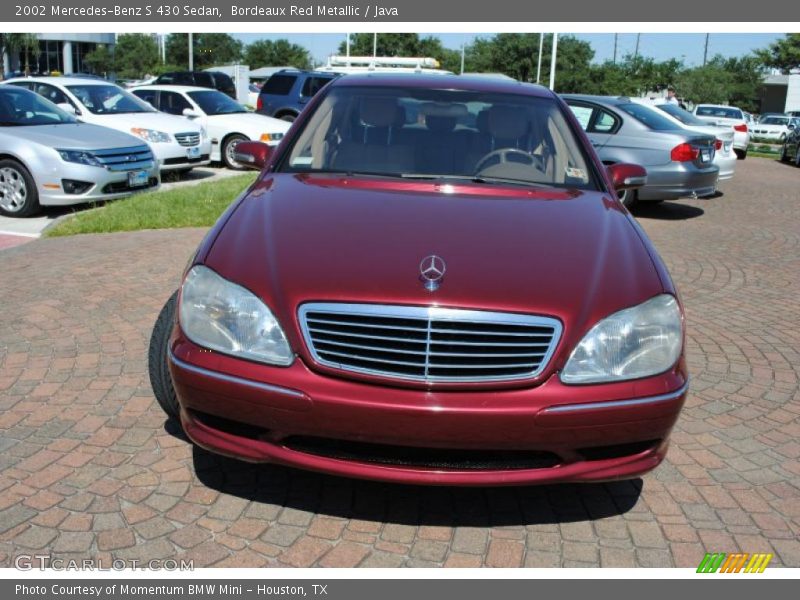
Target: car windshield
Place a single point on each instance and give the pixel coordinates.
(20, 107)
(775, 121)
(416, 133)
(109, 100)
(719, 111)
(651, 118)
(213, 102)
(684, 116)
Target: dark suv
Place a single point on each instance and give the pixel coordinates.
(285, 94)
(214, 80)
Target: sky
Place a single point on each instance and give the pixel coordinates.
(659, 46)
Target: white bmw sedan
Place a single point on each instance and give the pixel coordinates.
(226, 121)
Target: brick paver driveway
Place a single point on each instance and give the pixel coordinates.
(90, 468)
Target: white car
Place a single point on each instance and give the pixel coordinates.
(176, 143)
(718, 114)
(226, 121)
(774, 127)
(724, 157)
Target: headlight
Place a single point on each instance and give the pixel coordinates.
(220, 315)
(151, 135)
(79, 156)
(633, 343)
(271, 137)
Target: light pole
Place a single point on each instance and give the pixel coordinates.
(539, 67)
(553, 62)
(191, 52)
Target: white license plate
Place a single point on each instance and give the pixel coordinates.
(705, 155)
(193, 152)
(137, 178)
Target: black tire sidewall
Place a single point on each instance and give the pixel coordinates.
(158, 357)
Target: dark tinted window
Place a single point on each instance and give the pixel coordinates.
(184, 79)
(719, 111)
(146, 95)
(203, 80)
(173, 103)
(684, 116)
(648, 116)
(214, 102)
(166, 79)
(20, 107)
(313, 84)
(223, 81)
(280, 85)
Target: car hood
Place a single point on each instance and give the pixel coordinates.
(149, 120)
(577, 256)
(251, 124)
(76, 136)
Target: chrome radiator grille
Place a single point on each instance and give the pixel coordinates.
(125, 159)
(428, 344)
(188, 139)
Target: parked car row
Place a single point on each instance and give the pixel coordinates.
(176, 127)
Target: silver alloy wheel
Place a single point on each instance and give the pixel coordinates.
(230, 151)
(13, 190)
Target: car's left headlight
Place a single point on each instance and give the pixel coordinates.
(633, 343)
(80, 157)
(151, 135)
(271, 137)
(220, 315)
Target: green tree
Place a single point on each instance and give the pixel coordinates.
(10, 44)
(29, 45)
(136, 55)
(210, 49)
(517, 55)
(278, 53)
(783, 54)
(100, 60)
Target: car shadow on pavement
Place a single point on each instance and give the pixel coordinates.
(668, 211)
(341, 497)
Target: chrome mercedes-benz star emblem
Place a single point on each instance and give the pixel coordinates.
(431, 272)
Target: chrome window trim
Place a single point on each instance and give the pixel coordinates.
(619, 403)
(431, 313)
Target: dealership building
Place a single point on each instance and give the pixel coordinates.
(62, 52)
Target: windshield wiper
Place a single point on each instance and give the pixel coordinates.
(473, 179)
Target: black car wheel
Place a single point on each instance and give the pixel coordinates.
(158, 355)
(628, 198)
(741, 154)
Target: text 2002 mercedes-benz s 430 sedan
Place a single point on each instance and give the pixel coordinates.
(432, 282)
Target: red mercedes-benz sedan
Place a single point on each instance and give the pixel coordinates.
(432, 281)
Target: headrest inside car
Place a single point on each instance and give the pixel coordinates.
(507, 122)
(379, 112)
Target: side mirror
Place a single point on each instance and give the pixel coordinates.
(625, 176)
(791, 126)
(191, 113)
(67, 108)
(253, 155)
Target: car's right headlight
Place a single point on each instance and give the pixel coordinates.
(220, 315)
(633, 343)
(151, 135)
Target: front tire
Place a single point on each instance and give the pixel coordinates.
(784, 154)
(157, 357)
(228, 150)
(741, 154)
(288, 117)
(18, 194)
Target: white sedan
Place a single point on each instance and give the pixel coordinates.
(774, 127)
(226, 121)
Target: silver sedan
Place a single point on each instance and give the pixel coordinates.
(50, 158)
(679, 163)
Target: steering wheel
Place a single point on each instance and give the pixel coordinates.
(504, 153)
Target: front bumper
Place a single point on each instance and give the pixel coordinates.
(106, 184)
(679, 180)
(172, 155)
(296, 417)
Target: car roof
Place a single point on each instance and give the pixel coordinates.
(173, 88)
(612, 100)
(442, 81)
(62, 80)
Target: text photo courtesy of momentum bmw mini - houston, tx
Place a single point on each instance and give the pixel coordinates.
(442, 299)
